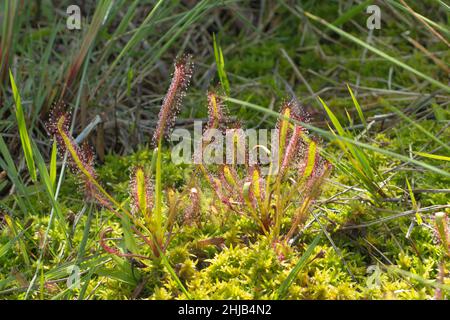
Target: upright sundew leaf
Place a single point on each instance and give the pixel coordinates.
(142, 190)
(310, 159)
(213, 111)
(216, 111)
(229, 177)
(238, 145)
(81, 161)
(141, 193)
(172, 101)
(215, 184)
(283, 133)
(23, 133)
(292, 147)
(53, 164)
(81, 157)
(246, 188)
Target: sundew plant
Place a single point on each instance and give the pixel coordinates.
(180, 150)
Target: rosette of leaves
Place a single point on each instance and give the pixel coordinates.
(294, 181)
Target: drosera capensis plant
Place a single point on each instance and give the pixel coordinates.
(294, 180)
(293, 183)
(146, 218)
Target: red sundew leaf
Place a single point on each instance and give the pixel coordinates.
(308, 164)
(239, 148)
(290, 133)
(80, 158)
(115, 251)
(218, 114)
(103, 244)
(258, 184)
(296, 112)
(173, 99)
(316, 180)
(57, 110)
(229, 177)
(292, 148)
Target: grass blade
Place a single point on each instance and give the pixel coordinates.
(49, 187)
(282, 291)
(7, 163)
(414, 203)
(357, 106)
(220, 62)
(23, 133)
